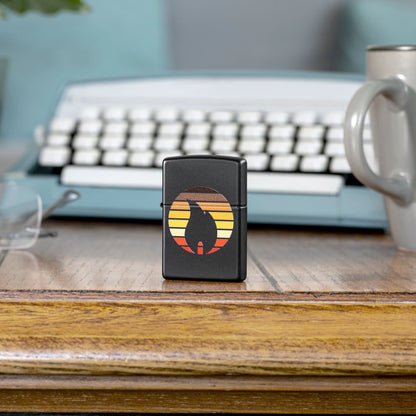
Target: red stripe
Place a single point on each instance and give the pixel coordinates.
(213, 250)
(221, 242)
(188, 249)
(180, 240)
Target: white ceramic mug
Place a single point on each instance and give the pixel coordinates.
(390, 96)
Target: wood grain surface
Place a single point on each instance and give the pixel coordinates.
(324, 323)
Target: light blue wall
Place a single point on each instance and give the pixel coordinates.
(116, 39)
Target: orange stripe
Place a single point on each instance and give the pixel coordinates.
(214, 207)
(213, 250)
(196, 196)
(180, 240)
(221, 242)
(188, 249)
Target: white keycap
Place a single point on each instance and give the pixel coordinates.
(62, 125)
(54, 156)
(223, 144)
(335, 134)
(249, 117)
(254, 130)
(58, 139)
(286, 132)
(339, 164)
(308, 147)
(279, 146)
(151, 178)
(90, 127)
(111, 142)
(193, 144)
(193, 116)
(304, 118)
(163, 155)
(228, 154)
(251, 145)
(317, 163)
(198, 129)
(84, 141)
(90, 113)
(333, 118)
(166, 115)
(285, 163)
(114, 113)
(171, 129)
(86, 157)
(277, 117)
(139, 142)
(334, 149)
(225, 130)
(116, 127)
(257, 162)
(141, 158)
(143, 128)
(166, 143)
(311, 132)
(140, 114)
(115, 157)
(221, 116)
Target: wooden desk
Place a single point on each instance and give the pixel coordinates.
(325, 323)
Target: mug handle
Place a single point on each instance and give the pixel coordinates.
(398, 186)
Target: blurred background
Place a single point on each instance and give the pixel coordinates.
(40, 52)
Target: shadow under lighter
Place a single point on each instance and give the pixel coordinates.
(205, 218)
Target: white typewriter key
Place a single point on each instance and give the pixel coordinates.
(305, 118)
(251, 145)
(193, 116)
(225, 130)
(90, 127)
(166, 115)
(318, 163)
(333, 118)
(115, 157)
(257, 162)
(58, 139)
(334, 149)
(111, 142)
(86, 157)
(223, 144)
(254, 130)
(279, 146)
(249, 117)
(339, 164)
(143, 159)
(114, 113)
(171, 129)
(160, 156)
(84, 141)
(54, 156)
(284, 163)
(62, 125)
(311, 132)
(166, 143)
(143, 128)
(221, 116)
(139, 142)
(192, 144)
(283, 132)
(90, 113)
(140, 114)
(116, 127)
(308, 147)
(198, 129)
(335, 134)
(277, 117)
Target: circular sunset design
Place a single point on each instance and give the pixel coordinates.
(201, 220)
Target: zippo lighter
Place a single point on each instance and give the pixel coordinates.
(205, 218)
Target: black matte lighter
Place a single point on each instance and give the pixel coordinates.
(205, 218)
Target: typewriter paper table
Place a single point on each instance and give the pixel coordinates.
(325, 323)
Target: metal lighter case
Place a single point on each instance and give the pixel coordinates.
(205, 218)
